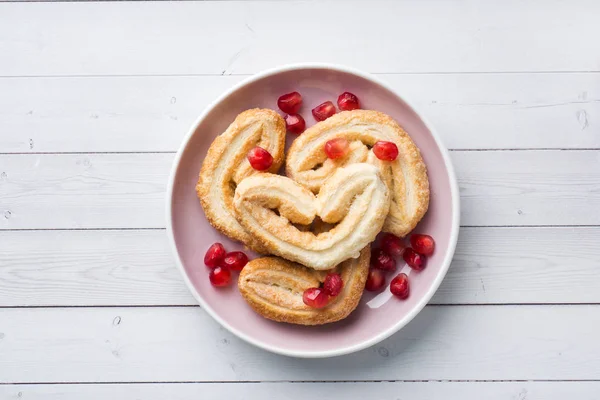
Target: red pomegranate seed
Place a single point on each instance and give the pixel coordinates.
(236, 260)
(348, 101)
(375, 280)
(214, 255)
(422, 244)
(399, 286)
(337, 148)
(295, 123)
(290, 102)
(414, 259)
(333, 284)
(323, 111)
(392, 244)
(220, 276)
(315, 297)
(382, 260)
(386, 151)
(260, 159)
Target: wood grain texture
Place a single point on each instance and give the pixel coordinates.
(120, 114)
(75, 268)
(302, 391)
(523, 265)
(245, 37)
(111, 268)
(186, 344)
(83, 191)
(45, 191)
(529, 188)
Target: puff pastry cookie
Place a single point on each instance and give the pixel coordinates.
(273, 287)
(406, 177)
(225, 166)
(355, 198)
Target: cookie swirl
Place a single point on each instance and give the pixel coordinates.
(226, 165)
(406, 176)
(354, 198)
(273, 287)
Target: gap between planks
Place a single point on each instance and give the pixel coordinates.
(248, 75)
(197, 305)
(163, 229)
(174, 152)
(304, 381)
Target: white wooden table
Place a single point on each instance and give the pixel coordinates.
(96, 97)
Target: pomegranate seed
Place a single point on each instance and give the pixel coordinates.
(386, 151)
(414, 259)
(214, 255)
(295, 123)
(382, 260)
(422, 244)
(220, 276)
(290, 102)
(236, 260)
(337, 148)
(323, 111)
(399, 286)
(375, 280)
(347, 101)
(260, 159)
(315, 297)
(333, 284)
(392, 244)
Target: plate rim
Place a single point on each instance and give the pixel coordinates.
(455, 197)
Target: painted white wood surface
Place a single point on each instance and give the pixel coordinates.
(245, 37)
(130, 77)
(49, 191)
(185, 344)
(153, 113)
(108, 268)
(303, 391)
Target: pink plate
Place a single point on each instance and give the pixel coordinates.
(378, 315)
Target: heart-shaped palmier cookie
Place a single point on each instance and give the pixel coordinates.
(406, 176)
(276, 210)
(273, 287)
(225, 166)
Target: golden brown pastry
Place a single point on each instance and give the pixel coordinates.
(273, 287)
(270, 207)
(226, 165)
(406, 176)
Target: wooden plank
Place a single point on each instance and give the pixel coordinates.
(529, 188)
(523, 265)
(302, 391)
(109, 268)
(44, 191)
(245, 37)
(103, 113)
(75, 268)
(185, 344)
(116, 114)
(83, 191)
